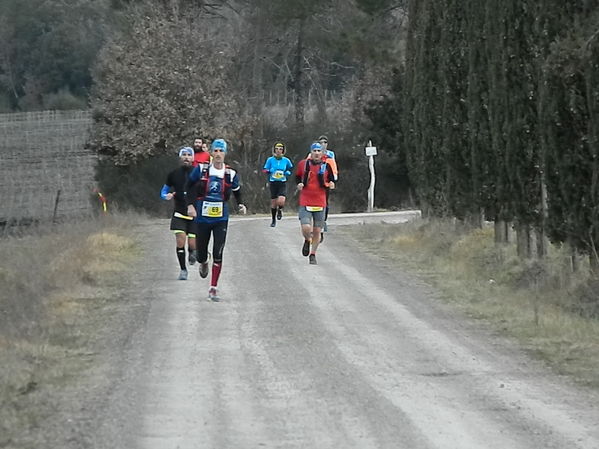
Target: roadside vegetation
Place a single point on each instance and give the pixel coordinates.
(551, 310)
(59, 288)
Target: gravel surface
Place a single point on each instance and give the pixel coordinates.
(345, 354)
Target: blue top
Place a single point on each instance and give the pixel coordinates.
(278, 169)
(213, 205)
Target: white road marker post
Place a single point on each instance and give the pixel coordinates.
(371, 152)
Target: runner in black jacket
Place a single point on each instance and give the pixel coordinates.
(181, 224)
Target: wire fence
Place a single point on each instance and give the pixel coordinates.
(46, 173)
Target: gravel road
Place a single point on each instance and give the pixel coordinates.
(345, 354)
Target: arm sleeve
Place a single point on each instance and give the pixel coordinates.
(164, 191)
(237, 194)
(236, 188)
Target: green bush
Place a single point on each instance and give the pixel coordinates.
(64, 100)
(136, 186)
(586, 298)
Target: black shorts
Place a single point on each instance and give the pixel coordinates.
(179, 224)
(277, 189)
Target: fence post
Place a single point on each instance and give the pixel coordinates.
(56, 206)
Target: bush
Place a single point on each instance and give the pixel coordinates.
(64, 100)
(136, 186)
(586, 299)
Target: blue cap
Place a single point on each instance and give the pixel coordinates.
(219, 144)
(316, 146)
(185, 150)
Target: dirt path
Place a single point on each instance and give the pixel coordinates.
(345, 354)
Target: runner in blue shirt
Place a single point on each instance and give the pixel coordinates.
(208, 190)
(277, 167)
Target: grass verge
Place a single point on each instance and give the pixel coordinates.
(550, 310)
(55, 298)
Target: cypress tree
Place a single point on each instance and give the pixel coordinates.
(569, 114)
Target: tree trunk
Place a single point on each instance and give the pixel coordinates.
(594, 263)
(474, 219)
(541, 241)
(298, 84)
(501, 232)
(523, 238)
(540, 233)
(574, 261)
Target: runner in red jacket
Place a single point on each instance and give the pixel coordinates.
(201, 153)
(314, 178)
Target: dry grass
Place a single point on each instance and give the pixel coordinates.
(49, 297)
(547, 308)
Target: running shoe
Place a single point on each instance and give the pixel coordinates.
(273, 224)
(213, 295)
(313, 259)
(279, 214)
(204, 269)
(192, 257)
(321, 237)
(182, 275)
(306, 248)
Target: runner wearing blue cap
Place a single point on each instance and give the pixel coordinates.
(314, 178)
(208, 190)
(181, 223)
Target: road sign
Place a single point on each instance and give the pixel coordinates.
(370, 151)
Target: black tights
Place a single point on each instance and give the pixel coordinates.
(218, 230)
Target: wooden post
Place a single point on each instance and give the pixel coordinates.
(56, 201)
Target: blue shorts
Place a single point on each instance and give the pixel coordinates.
(314, 218)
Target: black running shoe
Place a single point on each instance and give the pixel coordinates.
(313, 259)
(321, 237)
(306, 248)
(204, 269)
(279, 214)
(273, 224)
(192, 257)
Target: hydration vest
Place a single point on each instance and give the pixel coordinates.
(321, 172)
(204, 184)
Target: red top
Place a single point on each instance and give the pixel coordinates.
(313, 194)
(201, 157)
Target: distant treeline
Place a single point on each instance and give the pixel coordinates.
(495, 113)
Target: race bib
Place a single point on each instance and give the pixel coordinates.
(279, 174)
(212, 209)
(314, 208)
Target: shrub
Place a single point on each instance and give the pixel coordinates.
(64, 100)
